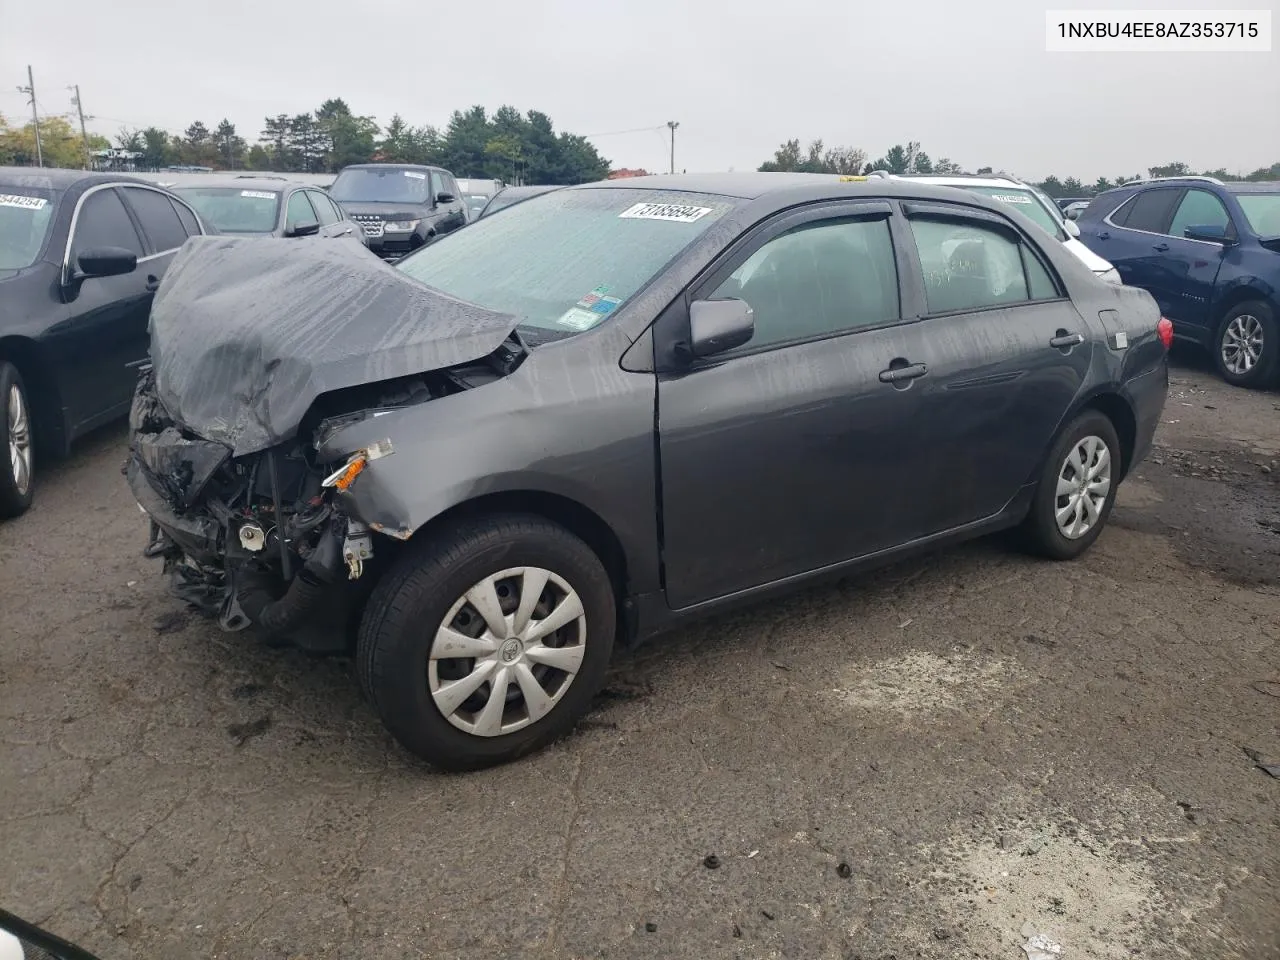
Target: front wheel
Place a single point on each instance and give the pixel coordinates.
(1247, 347)
(17, 480)
(488, 641)
(1077, 488)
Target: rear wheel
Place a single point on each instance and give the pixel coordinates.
(1247, 347)
(488, 641)
(17, 477)
(1077, 488)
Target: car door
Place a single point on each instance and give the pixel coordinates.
(1194, 264)
(298, 211)
(448, 214)
(103, 335)
(1134, 237)
(332, 223)
(784, 455)
(1007, 355)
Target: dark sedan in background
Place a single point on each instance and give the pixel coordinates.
(81, 256)
(612, 408)
(268, 207)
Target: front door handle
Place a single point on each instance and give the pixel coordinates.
(153, 284)
(1161, 247)
(1104, 235)
(1064, 340)
(901, 371)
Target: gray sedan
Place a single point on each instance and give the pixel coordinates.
(616, 407)
(268, 207)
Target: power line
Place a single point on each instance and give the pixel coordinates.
(618, 133)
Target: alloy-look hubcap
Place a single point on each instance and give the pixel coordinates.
(1083, 484)
(507, 651)
(1242, 344)
(19, 440)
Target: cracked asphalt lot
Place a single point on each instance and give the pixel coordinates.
(910, 764)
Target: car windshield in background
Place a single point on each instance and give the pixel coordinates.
(234, 209)
(25, 215)
(1262, 210)
(564, 261)
(475, 201)
(1025, 202)
(393, 185)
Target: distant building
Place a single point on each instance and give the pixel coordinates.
(624, 172)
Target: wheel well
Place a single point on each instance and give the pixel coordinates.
(1234, 299)
(573, 516)
(1116, 409)
(42, 391)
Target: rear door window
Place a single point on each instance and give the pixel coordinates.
(104, 222)
(158, 218)
(973, 266)
(1150, 211)
(323, 207)
(189, 221)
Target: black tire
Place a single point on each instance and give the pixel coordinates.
(411, 602)
(1263, 372)
(14, 500)
(1040, 529)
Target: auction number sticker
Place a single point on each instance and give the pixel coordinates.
(415, 174)
(258, 194)
(1010, 198)
(18, 200)
(576, 318)
(675, 212)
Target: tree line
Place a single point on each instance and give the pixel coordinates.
(910, 158)
(509, 145)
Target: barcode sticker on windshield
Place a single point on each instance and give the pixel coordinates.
(29, 203)
(677, 212)
(1010, 198)
(415, 174)
(258, 194)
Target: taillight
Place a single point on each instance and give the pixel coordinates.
(1165, 329)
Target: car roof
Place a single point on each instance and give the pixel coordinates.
(56, 178)
(392, 166)
(243, 182)
(960, 180)
(531, 189)
(1253, 186)
(777, 190)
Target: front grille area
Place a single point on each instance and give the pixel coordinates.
(372, 225)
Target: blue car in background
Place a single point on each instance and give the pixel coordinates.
(1209, 252)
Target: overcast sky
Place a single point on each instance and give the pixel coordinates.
(969, 80)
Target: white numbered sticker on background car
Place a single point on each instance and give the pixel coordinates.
(258, 194)
(28, 203)
(1006, 198)
(677, 212)
(415, 174)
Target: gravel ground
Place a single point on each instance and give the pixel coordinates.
(933, 761)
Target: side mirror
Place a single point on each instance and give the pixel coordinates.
(104, 262)
(307, 228)
(719, 325)
(1207, 231)
(19, 939)
(1072, 228)
(445, 198)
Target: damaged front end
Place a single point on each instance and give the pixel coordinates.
(258, 357)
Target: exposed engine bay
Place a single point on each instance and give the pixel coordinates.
(265, 538)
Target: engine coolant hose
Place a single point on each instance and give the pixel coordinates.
(303, 597)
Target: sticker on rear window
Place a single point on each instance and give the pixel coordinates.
(677, 212)
(17, 200)
(415, 174)
(258, 194)
(575, 318)
(1009, 198)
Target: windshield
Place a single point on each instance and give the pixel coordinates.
(1026, 203)
(389, 185)
(564, 261)
(25, 215)
(233, 209)
(1262, 210)
(475, 201)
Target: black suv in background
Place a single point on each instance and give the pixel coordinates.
(400, 206)
(267, 207)
(81, 256)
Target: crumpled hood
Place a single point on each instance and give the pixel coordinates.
(247, 333)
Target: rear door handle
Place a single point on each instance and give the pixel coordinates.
(153, 284)
(1064, 339)
(1161, 247)
(903, 373)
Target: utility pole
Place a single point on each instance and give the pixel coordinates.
(671, 125)
(83, 133)
(30, 90)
